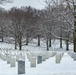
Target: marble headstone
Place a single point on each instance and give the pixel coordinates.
(39, 59)
(58, 58)
(21, 67)
(8, 59)
(43, 57)
(74, 56)
(17, 58)
(12, 62)
(4, 57)
(33, 62)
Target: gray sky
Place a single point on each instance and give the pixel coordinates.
(39, 4)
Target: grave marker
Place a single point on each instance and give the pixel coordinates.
(12, 62)
(8, 59)
(21, 67)
(39, 59)
(33, 62)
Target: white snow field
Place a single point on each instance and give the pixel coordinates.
(67, 65)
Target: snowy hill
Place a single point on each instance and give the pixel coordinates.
(67, 65)
(48, 67)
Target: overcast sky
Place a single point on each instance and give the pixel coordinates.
(39, 4)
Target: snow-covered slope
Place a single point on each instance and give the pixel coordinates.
(48, 67)
(67, 65)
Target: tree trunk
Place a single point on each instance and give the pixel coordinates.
(50, 37)
(15, 43)
(38, 40)
(67, 45)
(20, 44)
(74, 42)
(61, 41)
(2, 34)
(74, 45)
(27, 40)
(2, 39)
(47, 45)
(50, 42)
(74, 34)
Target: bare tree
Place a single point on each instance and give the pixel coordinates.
(63, 15)
(71, 6)
(18, 25)
(3, 23)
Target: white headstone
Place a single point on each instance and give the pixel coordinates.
(8, 59)
(58, 58)
(17, 58)
(12, 62)
(43, 57)
(22, 58)
(33, 62)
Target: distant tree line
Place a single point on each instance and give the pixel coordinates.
(56, 21)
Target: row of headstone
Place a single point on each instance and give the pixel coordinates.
(11, 60)
(3, 57)
(12, 52)
(44, 55)
(73, 55)
(39, 58)
(35, 61)
(49, 54)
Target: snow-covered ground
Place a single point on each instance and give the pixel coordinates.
(48, 67)
(67, 66)
(33, 46)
